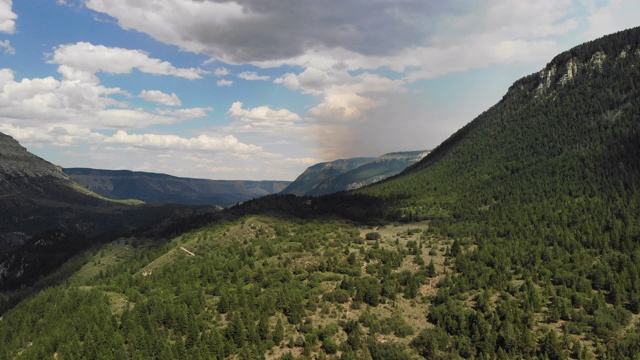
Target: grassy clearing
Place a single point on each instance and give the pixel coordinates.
(110, 254)
(86, 191)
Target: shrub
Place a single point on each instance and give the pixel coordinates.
(329, 346)
(373, 236)
(337, 296)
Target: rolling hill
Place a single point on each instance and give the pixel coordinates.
(517, 237)
(162, 188)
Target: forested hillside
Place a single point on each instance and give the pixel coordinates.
(253, 288)
(518, 237)
(543, 193)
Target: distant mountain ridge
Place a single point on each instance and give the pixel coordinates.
(350, 174)
(163, 188)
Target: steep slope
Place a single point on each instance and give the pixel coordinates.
(381, 168)
(20, 169)
(318, 173)
(162, 188)
(45, 218)
(542, 192)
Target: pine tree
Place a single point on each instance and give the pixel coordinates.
(278, 332)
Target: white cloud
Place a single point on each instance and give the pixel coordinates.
(282, 131)
(252, 76)
(6, 44)
(186, 114)
(344, 97)
(221, 71)
(342, 107)
(134, 118)
(224, 82)
(228, 143)
(317, 82)
(262, 116)
(262, 120)
(89, 58)
(48, 101)
(159, 97)
(7, 17)
(310, 81)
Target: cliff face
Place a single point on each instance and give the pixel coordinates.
(560, 74)
(586, 60)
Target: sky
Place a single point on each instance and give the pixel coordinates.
(262, 89)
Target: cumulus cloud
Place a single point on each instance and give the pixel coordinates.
(310, 81)
(224, 82)
(342, 107)
(228, 143)
(7, 17)
(316, 81)
(221, 71)
(159, 97)
(344, 97)
(85, 57)
(252, 76)
(262, 117)
(41, 101)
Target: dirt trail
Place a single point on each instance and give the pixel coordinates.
(187, 251)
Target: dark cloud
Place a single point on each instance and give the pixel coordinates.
(275, 29)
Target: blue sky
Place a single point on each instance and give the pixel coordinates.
(262, 89)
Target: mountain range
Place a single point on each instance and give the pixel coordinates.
(162, 188)
(517, 237)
